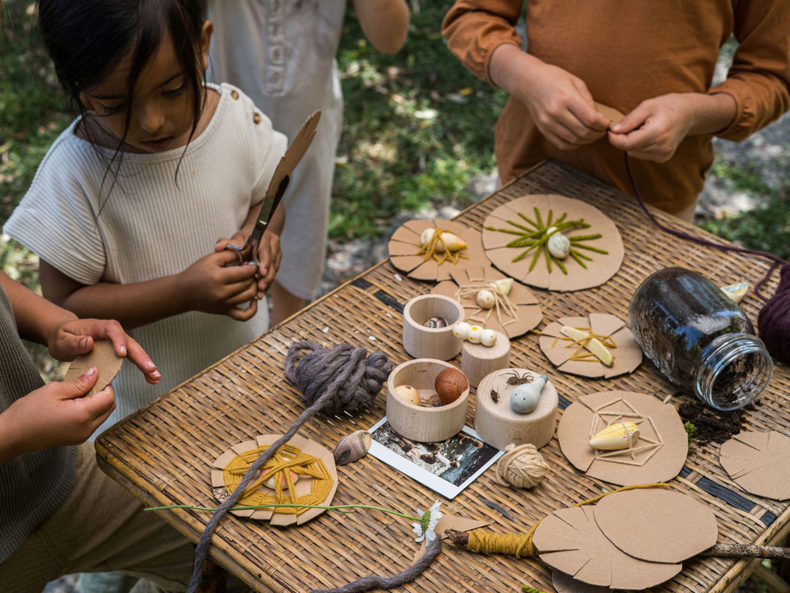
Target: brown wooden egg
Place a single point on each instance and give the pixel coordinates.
(450, 384)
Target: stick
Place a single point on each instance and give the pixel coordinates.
(461, 539)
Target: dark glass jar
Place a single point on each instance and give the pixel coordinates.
(699, 339)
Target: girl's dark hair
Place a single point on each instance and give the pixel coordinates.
(87, 39)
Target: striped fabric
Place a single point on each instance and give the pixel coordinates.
(32, 485)
(145, 223)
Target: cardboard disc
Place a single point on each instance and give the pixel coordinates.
(404, 245)
(657, 456)
(657, 525)
(758, 462)
(559, 349)
(613, 115)
(320, 468)
(596, 269)
(513, 316)
(104, 358)
(570, 541)
(565, 583)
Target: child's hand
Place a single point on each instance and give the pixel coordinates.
(269, 257)
(54, 416)
(76, 337)
(655, 128)
(559, 102)
(212, 285)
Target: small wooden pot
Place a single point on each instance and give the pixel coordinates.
(431, 342)
(477, 360)
(420, 423)
(498, 425)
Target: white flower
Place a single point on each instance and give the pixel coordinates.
(425, 529)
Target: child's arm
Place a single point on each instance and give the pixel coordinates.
(657, 126)
(207, 285)
(66, 336)
(58, 414)
(559, 102)
(385, 23)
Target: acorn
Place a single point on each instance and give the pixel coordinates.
(450, 385)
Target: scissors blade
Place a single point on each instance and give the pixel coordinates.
(280, 178)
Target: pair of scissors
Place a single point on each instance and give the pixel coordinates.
(277, 186)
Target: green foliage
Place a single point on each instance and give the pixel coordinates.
(767, 227)
(690, 430)
(417, 127)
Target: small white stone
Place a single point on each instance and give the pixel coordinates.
(559, 246)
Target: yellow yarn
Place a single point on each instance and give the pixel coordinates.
(520, 544)
(286, 460)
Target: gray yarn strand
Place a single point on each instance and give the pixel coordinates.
(407, 576)
(330, 380)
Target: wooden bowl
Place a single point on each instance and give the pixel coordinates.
(431, 342)
(421, 423)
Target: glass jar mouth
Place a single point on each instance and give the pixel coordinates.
(735, 370)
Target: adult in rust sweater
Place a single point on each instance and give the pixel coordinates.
(653, 61)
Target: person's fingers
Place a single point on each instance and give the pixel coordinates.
(81, 385)
(244, 314)
(99, 406)
(248, 294)
(139, 357)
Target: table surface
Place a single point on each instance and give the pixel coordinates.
(163, 452)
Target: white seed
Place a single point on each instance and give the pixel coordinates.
(485, 299)
(461, 330)
(488, 337)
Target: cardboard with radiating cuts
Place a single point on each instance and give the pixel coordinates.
(657, 456)
(570, 541)
(657, 524)
(560, 349)
(404, 246)
(512, 217)
(759, 462)
(514, 314)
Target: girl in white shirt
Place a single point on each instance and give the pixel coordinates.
(133, 205)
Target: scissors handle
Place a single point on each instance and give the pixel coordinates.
(249, 251)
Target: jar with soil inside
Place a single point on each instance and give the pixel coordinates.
(699, 339)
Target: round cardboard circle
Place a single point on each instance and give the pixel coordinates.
(559, 349)
(525, 314)
(659, 454)
(405, 243)
(569, 540)
(656, 524)
(104, 358)
(565, 583)
(595, 271)
(758, 462)
(302, 486)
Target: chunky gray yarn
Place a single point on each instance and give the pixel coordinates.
(344, 372)
(331, 381)
(407, 576)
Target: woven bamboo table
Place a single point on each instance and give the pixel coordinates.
(163, 452)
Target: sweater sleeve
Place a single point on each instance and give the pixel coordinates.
(759, 78)
(473, 29)
(56, 219)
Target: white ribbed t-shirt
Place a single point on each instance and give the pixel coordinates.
(153, 224)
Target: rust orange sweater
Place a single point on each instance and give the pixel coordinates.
(627, 52)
